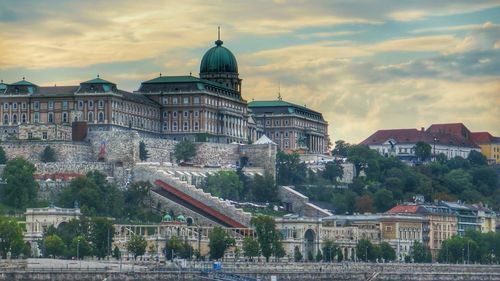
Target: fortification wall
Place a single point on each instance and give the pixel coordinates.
(66, 151)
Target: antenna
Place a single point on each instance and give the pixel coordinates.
(218, 32)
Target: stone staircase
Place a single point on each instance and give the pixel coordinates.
(151, 174)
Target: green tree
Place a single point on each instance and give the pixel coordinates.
(54, 246)
(422, 150)
(384, 200)
(388, 253)
(264, 188)
(364, 159)
(225, 184)
(116, 253)
(476, 158)
(173, 247)
(137, 245)
(297, 255)
(319, 256)
(3, 156)
(278, 249)
(267, 234)
(11, 239)
(143, 152)
(80, 247)
(184, 151)
(251, 248)
(330, 250)
(344, 201)
(289, 169)
(366, 251)
(419, 253)
(333, 170)
(48, 155)
(341, 148)
(219, 242)
(101, 236)
(21, 188)
(186, 251)
(310, 256)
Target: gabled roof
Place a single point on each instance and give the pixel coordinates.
(98, 81)
(264, 140)
(23, 83)
(405, 209)
(399, 135)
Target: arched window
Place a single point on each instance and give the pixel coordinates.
(65, 117)
(23, 118)
(6, 119)
(14, 118)
(90, 117)
(101, 116)
(50, 118)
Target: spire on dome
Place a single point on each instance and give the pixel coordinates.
(218, 42)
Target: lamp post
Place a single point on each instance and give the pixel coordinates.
(366, 253)
(435, 140)
(78, 252)
(468, 251)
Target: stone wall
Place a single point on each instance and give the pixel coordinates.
(260, 155)
(66, 151)
(74, 167)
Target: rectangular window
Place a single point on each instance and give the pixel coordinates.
(185, 100)
(185, 126)
(165, 114)
(36, 105)
(51, 105)
(80, 104)
(174, 114)
(65, 105)
(50, 117)
(185, 114)
(196, 100)
(6, 106)
(44, 135)
(91, 104)
(165, 100)
(23, 105)
(196, 113)
(174, 126)
(36, 117)
(196, 126)
(30, 135)
(14, 106)
(175, 100)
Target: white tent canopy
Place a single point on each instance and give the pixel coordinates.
(264, 140)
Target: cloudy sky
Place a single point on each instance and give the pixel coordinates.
(366, 65)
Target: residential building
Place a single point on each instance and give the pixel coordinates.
(490, 146)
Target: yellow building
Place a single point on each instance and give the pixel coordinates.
(490, 146)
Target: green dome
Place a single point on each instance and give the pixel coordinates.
(181, 218)
(218, 59)
(167, 217)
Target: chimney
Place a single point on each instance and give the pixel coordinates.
(422, 129)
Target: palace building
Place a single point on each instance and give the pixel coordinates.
(208, 108)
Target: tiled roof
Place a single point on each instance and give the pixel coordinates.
(483, 137)
(281, 103)
(139, 98)
(184, 79)
(404, 209)
(56, 90)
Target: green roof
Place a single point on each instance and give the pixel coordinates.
(167, 217)
(23, 83)
(97, 81)
(218, 59)
(185, 79)
(280, 103)
(173, 79)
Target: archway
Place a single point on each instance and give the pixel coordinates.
(309, 237)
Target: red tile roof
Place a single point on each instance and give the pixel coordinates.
(482, 137)
(404, 209)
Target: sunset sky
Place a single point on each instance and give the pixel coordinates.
(366, 65)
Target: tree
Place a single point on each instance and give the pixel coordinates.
(364, 204)
(330, 250)
(422, 150)
(137, 245)
(333, 170)
(11, 239)
(3, 156)
(366, 251)
(48, 155)
(364, 159)
(341, 148)
(219, 242)
(116, 253)
(186, 251)
(264, 188)
(344, 201)
(319, 256)
(143, 152)
(101, 236)
(184, 151)
(80, 247)
(54, 246)
(297, 255)
(476, 158)
(225, 184)
(21, 188)
(251, 248)
(384, 200)
(388, 253)
(278, 249)
(267, 234)
(289, 169)
(419, 253)
(173, 247)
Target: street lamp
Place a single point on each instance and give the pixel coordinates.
(78, 252)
